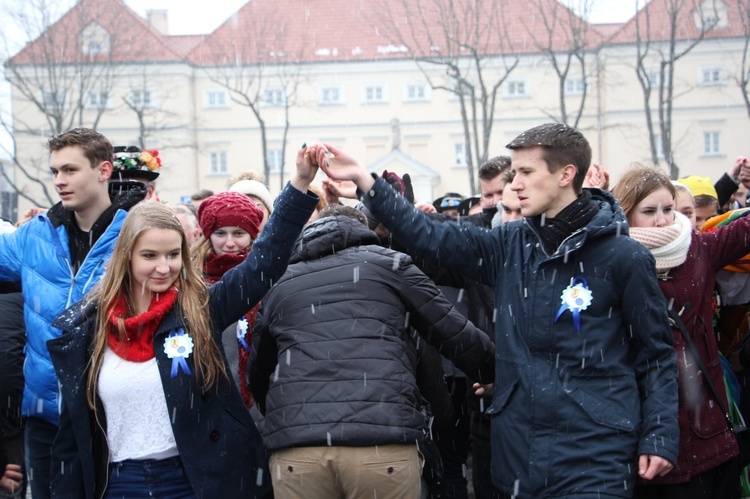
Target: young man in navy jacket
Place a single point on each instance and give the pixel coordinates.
(585, 392)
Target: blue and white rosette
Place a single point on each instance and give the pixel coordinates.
(178, 346)
(576, 298)
(241, 332)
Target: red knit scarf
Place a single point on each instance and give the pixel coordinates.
(216, 266)
(139, 330)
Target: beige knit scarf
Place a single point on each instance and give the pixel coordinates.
(669, 245)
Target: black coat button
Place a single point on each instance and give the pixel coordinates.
(214, 435)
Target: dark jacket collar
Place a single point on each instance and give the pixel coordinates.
(329, 235)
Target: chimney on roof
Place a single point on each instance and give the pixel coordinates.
(157, 19)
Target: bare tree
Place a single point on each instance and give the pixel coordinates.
(252, 59)
(662, 46)
(65, 72)
(150, 110)
(743, 76)
(565, 42)
(469, 41)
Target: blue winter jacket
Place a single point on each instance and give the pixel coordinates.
(38, 255)
(573, 407)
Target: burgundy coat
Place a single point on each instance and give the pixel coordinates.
(705, 441)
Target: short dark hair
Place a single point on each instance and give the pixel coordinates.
(202, 194)
(508, 176)
(494, 167)
(333, 210)
(95, 146)
(703, 200)
(562, 145)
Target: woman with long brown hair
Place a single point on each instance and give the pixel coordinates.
(227, 238)
(148, 407)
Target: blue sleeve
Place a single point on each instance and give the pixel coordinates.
(11, 251)
(473, 251)
(244, 286)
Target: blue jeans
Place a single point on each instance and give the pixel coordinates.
(162, 478)
(38, 437)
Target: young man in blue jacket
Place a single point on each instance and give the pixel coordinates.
(585, 392)
(58, 257)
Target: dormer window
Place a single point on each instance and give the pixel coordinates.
(94, 40)
(710, 14)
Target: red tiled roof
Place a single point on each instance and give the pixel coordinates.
(653, 22)
(345, 30)
(606, 30)
(131, 37)
(183, 44)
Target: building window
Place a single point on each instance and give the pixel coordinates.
(374, 94)
(459, 150)
(141, 98)
(54, 100)
(331, 95)
(709, 15)
(218, 163)
(96, 99)
(273, 156)
(711, 143)
(216, 99)
(94, 40)
(712, 76)
(574, 86)
(416, 92)
(273, 97)
(516, 88)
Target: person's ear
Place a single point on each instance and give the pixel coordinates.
(567, 175)
(105, 171)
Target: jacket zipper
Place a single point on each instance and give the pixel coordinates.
(83, 264)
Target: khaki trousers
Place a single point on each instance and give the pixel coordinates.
(380, 472)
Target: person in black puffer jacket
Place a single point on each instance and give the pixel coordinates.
(335, 367)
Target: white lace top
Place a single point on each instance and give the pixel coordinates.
(138, 425)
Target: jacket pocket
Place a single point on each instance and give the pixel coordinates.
(609, 412)
(501, 397)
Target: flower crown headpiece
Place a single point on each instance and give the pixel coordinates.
(132, 162)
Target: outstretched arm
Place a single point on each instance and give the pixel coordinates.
(243, 286)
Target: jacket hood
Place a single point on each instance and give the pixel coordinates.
(610, 218)
(331, 234)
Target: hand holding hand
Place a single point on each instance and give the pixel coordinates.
(338, 165)
(425, 207)
(650, 466)
(596, 177)
(734, 171)
(336, 189)
(307, 168)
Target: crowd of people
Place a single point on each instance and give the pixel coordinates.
(348, 340)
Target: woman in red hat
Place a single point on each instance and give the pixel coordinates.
(228, 237)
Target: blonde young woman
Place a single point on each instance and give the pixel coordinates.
(148, 407)
(686, 263)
